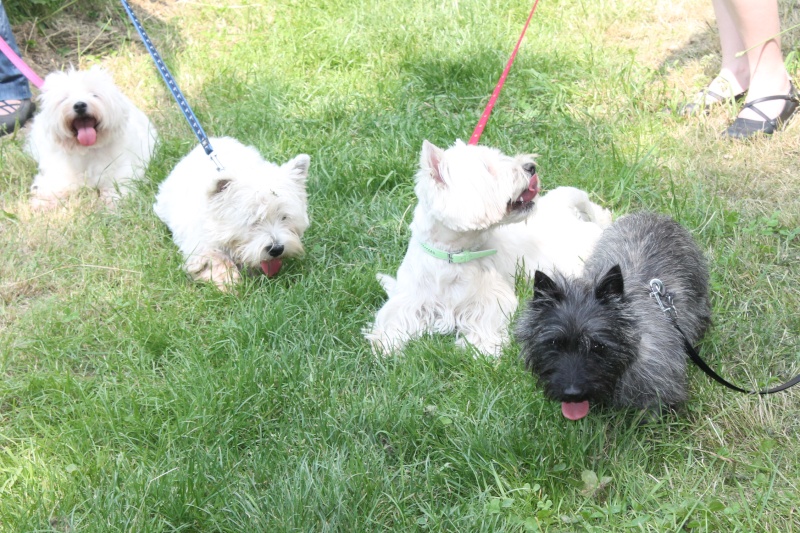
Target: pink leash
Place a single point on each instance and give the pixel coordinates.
(476, 135)
(20, 64)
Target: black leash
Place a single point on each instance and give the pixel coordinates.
(664, 299)
(173, 87)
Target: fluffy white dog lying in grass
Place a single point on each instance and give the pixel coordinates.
(251, 215)
(87, 134)
(479, 218)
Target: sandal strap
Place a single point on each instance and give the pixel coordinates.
(10, 108)
(716, 96)
(724, 85)
(757, 110)
(791, 97)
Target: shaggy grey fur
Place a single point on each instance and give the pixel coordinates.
(602, 338)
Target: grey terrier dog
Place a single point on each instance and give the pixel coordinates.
(602, 338)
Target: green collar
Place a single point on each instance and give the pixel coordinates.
(459, 257)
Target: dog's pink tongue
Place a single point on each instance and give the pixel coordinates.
(575, 411)
(533, 189)
(87, 135)
(271, 267)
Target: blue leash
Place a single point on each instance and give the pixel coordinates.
(174, 89)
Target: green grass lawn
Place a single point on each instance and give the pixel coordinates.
(132, 399)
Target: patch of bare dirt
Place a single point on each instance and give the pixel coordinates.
(62, 40)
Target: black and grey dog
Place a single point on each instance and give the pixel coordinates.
(602, 338)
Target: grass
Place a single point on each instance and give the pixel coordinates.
(134, 400)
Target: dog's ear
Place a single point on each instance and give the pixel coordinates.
(298, 168)
(430, 159)
(610, 285)
(544, 284)
(52, 80)
(218, 186)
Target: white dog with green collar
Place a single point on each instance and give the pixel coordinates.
(479, 218)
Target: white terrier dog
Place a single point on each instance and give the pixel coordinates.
(252, 214)
(87, 134)
(479, 218)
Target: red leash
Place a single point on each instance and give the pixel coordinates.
(476, 135)
(20, 64)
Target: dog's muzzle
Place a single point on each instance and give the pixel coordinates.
(84, 125)
(524, 201)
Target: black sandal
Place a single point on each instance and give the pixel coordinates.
(744, 128)
(17, 113)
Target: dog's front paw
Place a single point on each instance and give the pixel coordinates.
(602, 217)
(110, 198)
(381, 343)
(44, 203)
(483, 346)
(215, 267)
(591, 212)
(46, 200)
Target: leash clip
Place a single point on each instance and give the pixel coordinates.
(213, 157)
(663, 298)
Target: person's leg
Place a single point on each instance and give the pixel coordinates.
(13, 85)
(734, 71)
(756, 22)
(734, 74)
(15, 94)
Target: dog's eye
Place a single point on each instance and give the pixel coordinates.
(598, 347)
(284, 218)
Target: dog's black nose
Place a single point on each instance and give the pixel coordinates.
(275, 250)
(80, 108)
(573, 391)
(530, 168)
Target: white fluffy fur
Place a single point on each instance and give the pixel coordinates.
(125, 138)
(465, 194)
(237, 216)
